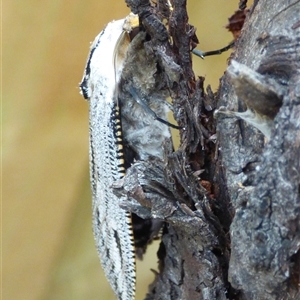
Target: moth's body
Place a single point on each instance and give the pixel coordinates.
(144, 134)
(113, 70)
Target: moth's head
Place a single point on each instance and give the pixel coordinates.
(141, 66)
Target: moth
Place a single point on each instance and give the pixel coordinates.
(127, 102)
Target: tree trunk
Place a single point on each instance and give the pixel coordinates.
(262, 177)
(229, 196)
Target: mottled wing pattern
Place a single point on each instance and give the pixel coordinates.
(111, 224)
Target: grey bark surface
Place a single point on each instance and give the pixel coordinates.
(263, 177)
(230, 199)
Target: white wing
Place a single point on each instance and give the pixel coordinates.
(111, 224)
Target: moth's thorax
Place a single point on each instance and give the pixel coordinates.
(140, 68)
(140, 71)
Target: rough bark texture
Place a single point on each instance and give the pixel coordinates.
(263, 177)
(231, 204)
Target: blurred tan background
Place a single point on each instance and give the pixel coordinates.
(48, 248)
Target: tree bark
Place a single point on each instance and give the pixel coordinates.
(229, 197)
(262, 177)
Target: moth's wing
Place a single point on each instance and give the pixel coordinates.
(119, 54)
(111, 224)
(122, 44)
